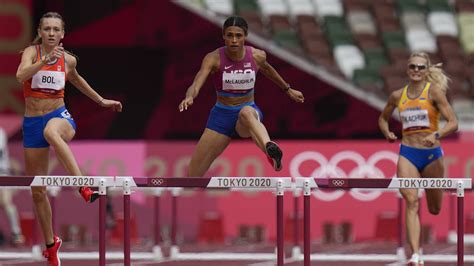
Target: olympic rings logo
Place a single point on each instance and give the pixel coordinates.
(365, 168)
(338, 183)
(157, 182)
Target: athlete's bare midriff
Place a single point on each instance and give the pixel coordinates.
(38, 106)
(234, 101)
(416, 140)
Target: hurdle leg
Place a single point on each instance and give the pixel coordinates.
(158, 254)
(460, 194)
(102, 211)
(452, 219)
(401, 256)
(126, 221)
(52, 201)
(280, 240)
(296, 251)
(36, 248)
(174, 251)
(307, 226)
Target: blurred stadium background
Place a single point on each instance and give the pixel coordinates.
(346, 56)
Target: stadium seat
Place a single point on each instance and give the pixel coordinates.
(337, 32)
(393, 83)
(325, 8)
(464, 6)
(394, 40)
(224, 7)
(413, 21)
(288, 39)
(279, 23)
(421, 40)
(301, 7)
(273, 7)
(308, 28)
(393, 70)
(404, 6)
(442, 23)
(375, 58)
(455, 68)
(356, 5)
(317, 47)
(449, 48)
(439, 6)
(368, 41)
(245, 6)
(361, 22)
(368, 79)
(348, 58)
(466, 28)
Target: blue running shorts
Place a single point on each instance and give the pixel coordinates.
(223, 119)
(33, 127)
(420, 158)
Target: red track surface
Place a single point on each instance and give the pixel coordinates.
(346, 249)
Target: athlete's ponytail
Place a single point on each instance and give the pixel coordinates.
(435, 74)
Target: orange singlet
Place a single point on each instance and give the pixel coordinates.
(49, 81)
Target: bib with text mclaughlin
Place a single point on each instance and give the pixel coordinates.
(53, 80)
(238, 80)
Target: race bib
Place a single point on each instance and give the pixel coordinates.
(415, 119)
(53, 80)
(238, 80)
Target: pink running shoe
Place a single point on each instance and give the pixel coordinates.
(52, 253)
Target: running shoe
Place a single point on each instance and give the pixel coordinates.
(415, 260)
(88, 194)
(274, 155)
(52, 253)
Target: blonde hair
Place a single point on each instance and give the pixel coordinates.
(436, 74)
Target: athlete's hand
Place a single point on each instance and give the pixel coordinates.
(54, 55)
(296, 95)
(114, 105)
(429, 140)
(391, 137)
(188, 101)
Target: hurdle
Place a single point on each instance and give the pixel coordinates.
(127, 183)
(277, 184)
(233, 183)
(458, 184)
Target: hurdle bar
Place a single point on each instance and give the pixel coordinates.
(279, 184)
(259, 183)
(458, 184)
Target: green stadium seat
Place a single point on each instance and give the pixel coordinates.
(439, 5)
(409, 6)
(287, 39)
(395, 39)
(241, 6)
(367, 78)
(340, 38)
(375, 58)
